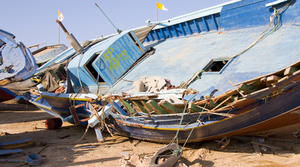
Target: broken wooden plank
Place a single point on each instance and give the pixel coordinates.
(263, 79)
(224, 95)
(139, 107)
(74, 115)
(224, 101)
(272, 79)
(126, 105)
(289, 71)
(233, 85)
(99, 135)
(156, 107)
(140, 97)
(169, 107)
(284, 78)
(248, 88)
(196, 108)
(217, 113)
(148, 108)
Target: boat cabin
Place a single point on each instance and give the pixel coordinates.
(103, 64)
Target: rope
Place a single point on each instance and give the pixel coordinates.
(181, 119)
(198, 120)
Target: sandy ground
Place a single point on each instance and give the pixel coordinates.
(59, 147)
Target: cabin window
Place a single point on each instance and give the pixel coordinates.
(216, 65)
(91, 69)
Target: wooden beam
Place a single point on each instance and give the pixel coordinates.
(224, 101)
(148, 108)
(196, 108)
(126, 105)
(156, 107)
(139, 107)
(289, 71)
(74, 115)
(272, 79)
(169, 107)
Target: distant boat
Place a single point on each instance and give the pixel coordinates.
(208, 50)
(16, 63)
(46, 53)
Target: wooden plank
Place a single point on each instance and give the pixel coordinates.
(224, 95)
(148, 108)
(99, 135)
(74, 115)
(156, 107)
(232, 84)
(196, 108)
(248, 88)
(201, 102)
(169, 107)
(272, 79)
(224, 101)
(258, 78)
(297, 72)
(127, 106)
(284, 78)
(139, 107)
(140, 97)
(236, 104)
(216, 113)
(289, 71)
(80, 105)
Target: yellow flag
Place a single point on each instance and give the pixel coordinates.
(161, 6)
(60, 16)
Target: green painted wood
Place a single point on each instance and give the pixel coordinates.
(169, 107)
(195, 108)
(127, 105)
(148, 107)
(138, 105)
(156, 107)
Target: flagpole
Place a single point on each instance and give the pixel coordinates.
(58, 34)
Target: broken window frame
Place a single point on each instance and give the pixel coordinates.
(209, 64)
(99, 79)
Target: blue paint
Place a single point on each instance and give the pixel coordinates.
(110, 59)
(231, 16)
(183, 54)
(11, 50)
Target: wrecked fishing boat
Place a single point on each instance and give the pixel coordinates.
(10, 69)
(254, 107)
(46, 53)
(230, 43)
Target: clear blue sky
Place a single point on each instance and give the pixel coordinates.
(33, 21)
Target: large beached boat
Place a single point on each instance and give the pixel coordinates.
(240, 60)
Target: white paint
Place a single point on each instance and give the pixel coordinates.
(275, 3)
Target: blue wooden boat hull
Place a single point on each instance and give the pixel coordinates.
(259, 116)
(239, 33)
(58, 105)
